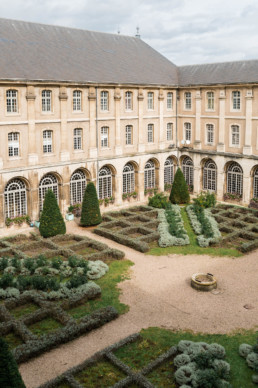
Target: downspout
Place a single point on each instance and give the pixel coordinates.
(177, 150)
(97, 143)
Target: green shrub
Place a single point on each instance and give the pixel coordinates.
(51, 219)
(90, 207)
(179, 192)
(205, 199)
(205, 224)
(159, 200)
(76, 281)
(3, 263)
(6, 280)
(9, 373)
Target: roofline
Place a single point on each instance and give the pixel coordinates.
(218, 63)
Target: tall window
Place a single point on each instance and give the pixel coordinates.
(15, 198)
(128, 179)
(104, 137)
(236, 97)
(150, 100)
(255, 184)
(128, 100)
(48, 181)
(149, 175)
(11, 101)
(105, 183)
(168, 171)
(210, 176)
(235, 179)
(128, 134)
(77, 138)
(188, 170)
(169, 100)
(47, 141)
(13, 144)
(188, 131)
(77, 187)
(77, 100)
(104, 101)
(169, 131)
(210, 100)
(210, 133)
(46, 100)
(235, 135)
(188, 100)
(150, 133)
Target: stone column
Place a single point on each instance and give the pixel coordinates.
(141, 195)
(118, 146)
(93, 117)
(32, 147)
(33, 195)
(64, 154)
(222, 99)
(162, 130)
(141, 132)
(198, 108)
(118, 195)
(65, 190)
(2, 223)
(246, 187)
(247, 149)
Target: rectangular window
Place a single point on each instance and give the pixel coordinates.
(169, 100)
(169, 131)
(188, 100)
(236, 100)
(11, 101)
(77, 100)
(47, 142)
(77, 139)
(150, 133)
(210, 100)
(104, 101)
(128, 135)
(13, 144)
(235, 135)
(46, 101)
(188, 131)
(150, 100)
(104, 137)
(128, 101)
(210, 133)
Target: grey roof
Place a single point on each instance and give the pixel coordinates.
(31, 51)
(219, 73)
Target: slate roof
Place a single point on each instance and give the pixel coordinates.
(31, 51)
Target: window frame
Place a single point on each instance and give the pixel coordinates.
(104, 137)
(169, 100)
(149, 175)
(150, 133)
(105, 185)
(169, 131)
(210, 99)
(77, 139)
(78, 183)
(13, 144)
(12, 106)
(46, 101)
(210, 132)
(188, 131)
(236, 100)
(233, 142)
(128, 135)
(128, 100)
(104, 101)
(188, 100)
(17, 196)
(150, 101)
(77, 101)
(128, 177)
(47, 141)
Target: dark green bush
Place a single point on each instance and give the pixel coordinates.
(30, 265)
(203, 360)
(72, 261)
(205, 199)
(90, 207)
(9, 373)
(56, 263)
(159, 200)
(179, 191)
(205, 224)
(16, 262)
(207, 378)
(76, 281)
(51, 219)
(3, 263)
(6, 280)
(174, 228)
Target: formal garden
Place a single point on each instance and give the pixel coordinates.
(55, 287)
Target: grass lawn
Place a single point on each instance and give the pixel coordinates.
(193, 248)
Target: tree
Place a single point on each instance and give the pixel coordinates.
(179, 190)
(51, 219)
(90, 207)
(9, 373)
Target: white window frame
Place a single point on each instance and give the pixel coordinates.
(236, 100)
(188, 131)
(210, 101)
(128, 134)
(150, 101)
(12, 101)
(168, 171)
(235, 135)
(77, 139)
(104, 101)
(235, 179)
(77, 101)
(150, 133)
(48, 181)
(188, 100)
(255, 183)
(210, 176)
(104, 137)
(210, 134)
(47, 141)
(169, 131)
(46, 101)
(149, 175)
(77, 187)
(188, 170)
(128, 101)
(169, 100)
(104, 183)
(15, 198)
(13, 144)
(128, 179)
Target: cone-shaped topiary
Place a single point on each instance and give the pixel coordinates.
(90, 207)
(9, 373)
(51, 219)
(179, 191)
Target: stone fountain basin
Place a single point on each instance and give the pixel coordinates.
(203, 281)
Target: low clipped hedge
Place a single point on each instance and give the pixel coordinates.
(171, 227)
(250, 353)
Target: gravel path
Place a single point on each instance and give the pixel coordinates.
(159, 294)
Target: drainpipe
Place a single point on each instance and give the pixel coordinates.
(97, 142)
(177, 150)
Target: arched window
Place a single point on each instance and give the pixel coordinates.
(128, 101)
(210, 176)
(46, 100)
(128, 178)
(188, 170)
(48, 181)
(104, 101)
(77, 187)
(77, 100)
(149, 175)
(15, 198)
(255, 183)
(105, 183)
(210, 133)
(235, 179)
(13, 143)
(11, 101)
(168, 171)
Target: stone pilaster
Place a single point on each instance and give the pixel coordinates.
(117, 98)
(2, 224)
(92, 115)
(222, 100)
(197, 179)
(246, 187)
(64, 154)
(119, 190)
(161, 121)
(32, 147)
(141, 195)
(198, 107)
(141, 132)
(220, 184)
(247, 149)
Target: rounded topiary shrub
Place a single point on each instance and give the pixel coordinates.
(179, 191)
(51, 219)
(9, 373)
(90, 207)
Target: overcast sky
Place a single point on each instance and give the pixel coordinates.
(185, 31)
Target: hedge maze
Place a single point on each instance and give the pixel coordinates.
(239, 226)
(134, 227)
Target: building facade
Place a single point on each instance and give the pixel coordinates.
(127, 135)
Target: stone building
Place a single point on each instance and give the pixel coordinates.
(77, 105)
